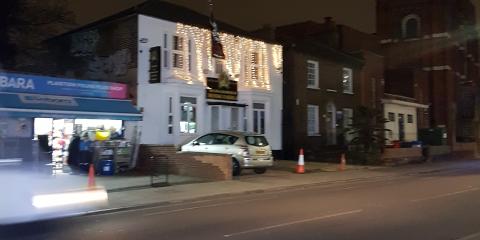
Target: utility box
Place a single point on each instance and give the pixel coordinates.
(433, 136)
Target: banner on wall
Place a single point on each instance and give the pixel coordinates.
(21, 83)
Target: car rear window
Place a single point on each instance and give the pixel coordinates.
(259, 141)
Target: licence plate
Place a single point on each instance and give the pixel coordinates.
(260, 152)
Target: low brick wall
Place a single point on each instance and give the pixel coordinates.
(401, 155)
(214, 167)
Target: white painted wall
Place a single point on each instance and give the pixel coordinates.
(410, 128)
(153, 98)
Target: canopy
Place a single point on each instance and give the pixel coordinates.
(50, 106)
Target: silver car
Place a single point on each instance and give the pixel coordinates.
(248, 150)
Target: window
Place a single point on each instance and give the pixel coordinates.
(206, 140)
(190, 58)
(347, 81)
(170, 116)
(215, 121)
(411, 26)
(312, 74)
(347, 117)
(391, 117)
(177, 52)
(312, 120)
(259, 118)
(259, 141)
(254, 65)
(347, 123)
(223, 139)
(188, 112)
(166, 54)
(218, 66)
(410, 118)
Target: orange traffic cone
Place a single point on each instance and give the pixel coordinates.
(301, 162)
(91, 176)
(343, 163)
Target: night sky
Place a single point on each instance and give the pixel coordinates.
(252, 14)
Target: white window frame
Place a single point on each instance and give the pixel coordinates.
(315, 77)
(347, 88)
(316, 128)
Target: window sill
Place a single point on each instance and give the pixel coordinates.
(349, 93)
(314, 88)
(314, 135)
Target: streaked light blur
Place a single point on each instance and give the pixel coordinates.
(70, 198)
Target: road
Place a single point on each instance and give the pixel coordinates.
(437, 205)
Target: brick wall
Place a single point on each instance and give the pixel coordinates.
(215, 167)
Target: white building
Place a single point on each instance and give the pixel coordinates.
(164, 53)
(179, 108)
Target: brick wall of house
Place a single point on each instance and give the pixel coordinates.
(212, 167)
(297, 97)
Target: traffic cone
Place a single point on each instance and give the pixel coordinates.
(343, 163)
(91, 176)
(301, 162)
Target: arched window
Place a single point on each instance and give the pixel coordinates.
(411, 26)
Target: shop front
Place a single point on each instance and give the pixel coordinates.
(62, 125)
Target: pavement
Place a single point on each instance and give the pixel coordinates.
(280, 177)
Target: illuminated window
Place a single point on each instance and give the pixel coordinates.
(312, 74)
(178, 52)
(188, 113)
(347, 81)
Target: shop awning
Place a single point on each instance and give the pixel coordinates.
(49, 106)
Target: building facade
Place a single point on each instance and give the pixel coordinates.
(321, 91)
(164, 52)
(431, 52)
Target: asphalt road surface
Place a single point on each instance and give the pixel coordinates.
(439, 205)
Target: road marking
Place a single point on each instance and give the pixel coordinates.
(293, 223)
(470, 237)
(206, 206)
(445, 195)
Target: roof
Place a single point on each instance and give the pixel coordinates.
(169, 12)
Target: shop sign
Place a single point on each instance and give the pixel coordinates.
(20, 83)
(222, 89)
(48, 100)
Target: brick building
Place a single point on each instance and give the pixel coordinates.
(431, 56)
(321, 89)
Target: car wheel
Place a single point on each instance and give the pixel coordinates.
(236, 169)
(260, 170)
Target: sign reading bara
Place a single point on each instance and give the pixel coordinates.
(222, 89)
(20, 83)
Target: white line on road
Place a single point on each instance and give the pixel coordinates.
(471, 237)
(445, 195)
(206, 206)
(294, 222)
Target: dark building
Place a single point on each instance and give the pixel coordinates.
(431, 55)
(321, 90)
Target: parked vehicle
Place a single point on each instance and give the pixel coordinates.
(248, 150)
